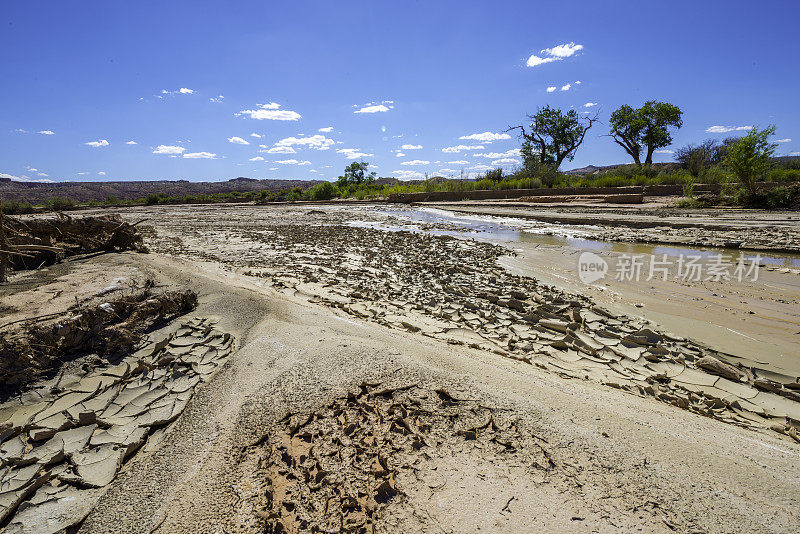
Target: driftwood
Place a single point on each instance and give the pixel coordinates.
(34, 243)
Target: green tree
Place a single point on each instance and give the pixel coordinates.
(749, 157)
(356, 174)
(552, 137)
(646, 128)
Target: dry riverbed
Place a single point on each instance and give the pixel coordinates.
(372, 372)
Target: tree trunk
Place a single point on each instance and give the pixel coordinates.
(629, 148)
(649, 160)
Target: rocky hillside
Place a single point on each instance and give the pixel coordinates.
(35, 192)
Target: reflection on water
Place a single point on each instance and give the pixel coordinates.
(513, 230)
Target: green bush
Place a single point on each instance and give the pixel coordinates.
(323, 191)
(777, 197)
(15, 207)
(784, 175)
(687, 202)
(155, 198)
(59, 203)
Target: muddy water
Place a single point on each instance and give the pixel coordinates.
(757, 321)
(575, 237)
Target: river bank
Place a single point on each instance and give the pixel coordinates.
(565, 406)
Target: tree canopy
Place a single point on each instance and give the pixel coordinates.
(356, 174)
(553, 136)
(646, 128)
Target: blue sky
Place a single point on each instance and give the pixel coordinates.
(323, 83)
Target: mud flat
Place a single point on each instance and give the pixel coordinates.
(409, 379)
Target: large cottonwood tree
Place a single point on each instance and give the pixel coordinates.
(645, 129)
(552, 137)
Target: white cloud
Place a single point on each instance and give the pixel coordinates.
(379, 108)
(374, 107)
(102, 173)
(787, 140)
(664, 151)
(726, 129)
(237, 141)
(257, 158)
(408, 175)
(41, 174)
(20, 130)
(46, 132)
(98, 143)
(411, 147)
(216, 99)
(564, 50)
(353, 153)
(566, 87)
(257, 136)
(415, 162)
(590, 104)
(131, 143)
(400, 154)
(551, 88)
(506, 161)
(199, 155)
(577, 82)
(486, 137)
(481, 167)
(182, 91)
(24, 178)
(556, 53)
(317, 142)
(459, 148)
(794, 153)
(535, 60)
(271, 112)
(169, 149)
(292, 162)
(327, 129)
(495, 155)
(280, 150)
(459, 162)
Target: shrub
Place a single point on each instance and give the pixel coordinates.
(749, 157)
(687, 202)
(323, 191)
(59, 203)
(155, 198)
(15, 207)
(777, 197)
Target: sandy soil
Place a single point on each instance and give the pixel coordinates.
(365, 393)
(618, 461)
